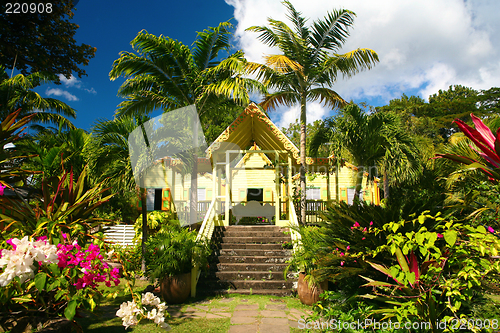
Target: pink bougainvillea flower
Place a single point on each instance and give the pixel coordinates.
(2, 188)
(364, 230)
(440, 235)
(356, 224)
(341, 254)
(490, 229)
(341, 263)
(363, 238)
(9, 241)
(348, 248)
(371, 223)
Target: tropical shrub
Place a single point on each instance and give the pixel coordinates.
(156, 220)
(345, 237)
(174, 250)
(306, 256)
(435, 274)
(64, 208)
(44, 278)
(129, 257)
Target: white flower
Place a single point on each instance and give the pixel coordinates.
(162, 307)
(149, 299)
(19, 262)
(128, 312)
(151, 314)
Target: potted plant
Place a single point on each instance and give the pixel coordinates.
(170, 255)
(305, 260)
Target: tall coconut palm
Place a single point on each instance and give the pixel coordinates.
(308, 66)
(166, 74)
(17, 93)
(372, 141)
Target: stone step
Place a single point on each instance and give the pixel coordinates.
(259, 284)
(253, 228)
(251, 246)
(253, 275)
(273, 292)
(254, 240)
(254, 259)
(237, 233)
(259, 253)
(242, 267)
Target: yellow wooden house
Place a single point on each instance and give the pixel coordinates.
(252, 160)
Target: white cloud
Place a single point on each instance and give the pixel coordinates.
(61, 93)
(423, 45)
(73, 82)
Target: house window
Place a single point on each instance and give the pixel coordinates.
(350, 195)
(255, 194)
(313, 193)
(201, 194)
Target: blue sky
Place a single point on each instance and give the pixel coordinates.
(423, 45)
(110, 26)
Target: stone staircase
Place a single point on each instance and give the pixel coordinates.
(248, 260)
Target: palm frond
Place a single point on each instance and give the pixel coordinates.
(272, 101)
(209, 43)
(331, 32)
(326, 96)
(282, 64)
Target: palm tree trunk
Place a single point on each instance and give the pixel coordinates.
(193, 210)
(144, 228)
(303, 159)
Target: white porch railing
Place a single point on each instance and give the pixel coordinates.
(205, 233)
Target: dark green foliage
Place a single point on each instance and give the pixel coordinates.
(43, 42)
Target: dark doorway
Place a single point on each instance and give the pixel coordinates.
(158, 197)
(255, 194)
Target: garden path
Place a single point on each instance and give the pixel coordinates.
(246, 316)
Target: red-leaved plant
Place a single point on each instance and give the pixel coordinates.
(487, 143)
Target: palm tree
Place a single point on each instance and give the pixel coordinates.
(166, 74)
(308, 66)
(54, 150)
(109, 158)
(372, 141)
(17, 93)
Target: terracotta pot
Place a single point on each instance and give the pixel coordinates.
(176, 289)
(307, 295)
